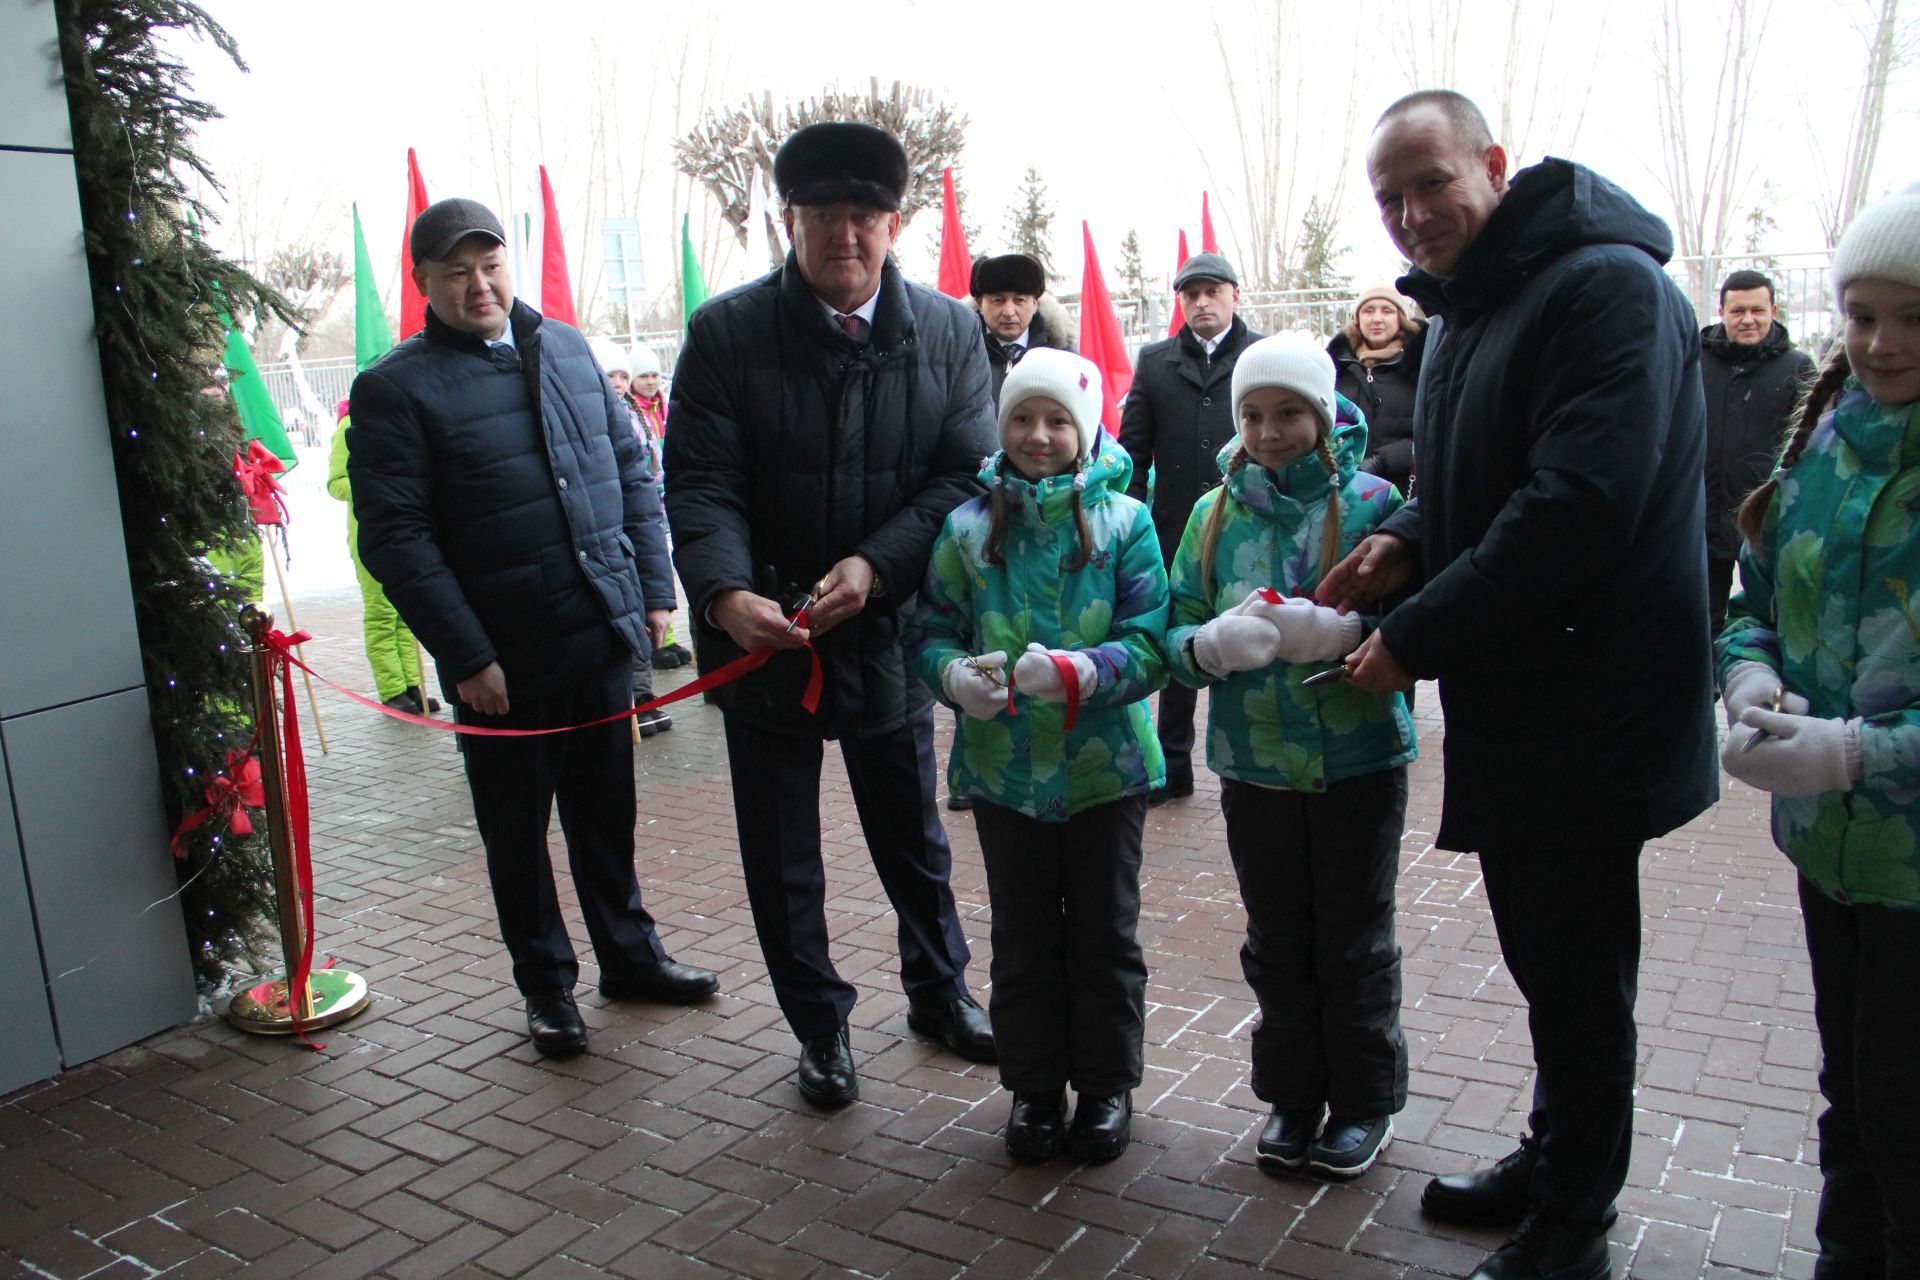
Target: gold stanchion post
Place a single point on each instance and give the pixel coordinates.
(332, 995)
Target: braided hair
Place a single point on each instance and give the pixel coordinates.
(1217, 514)
(997, 527)
(1833, 375)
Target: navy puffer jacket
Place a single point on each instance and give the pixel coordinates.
(503, 501)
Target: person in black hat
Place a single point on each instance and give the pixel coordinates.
(1177, 419)
(504, 508)
(1016, 312)
(826, 418)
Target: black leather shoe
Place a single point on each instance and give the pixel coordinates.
(663, 983)
(960, 1024)
(1102, 1126)
(1496, 1196)
(424, 698)
(1178, 789)
(403, 702)
(1036, 1129)
(959, 804)
(553, 1020)
(1285, 1138)
(1348, 1148)
(1545, 1248)
(826, 1076)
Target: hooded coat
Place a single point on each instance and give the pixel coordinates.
(1384, 392)
(1114, 607)
(1263, 727)
(503, 501)
(1177, 417)
(1828, 602)
(1560, 586)
(794, 447)
(1051, 327)
(1752, 392)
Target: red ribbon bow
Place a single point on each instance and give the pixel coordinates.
(255, 470)
(228, 797)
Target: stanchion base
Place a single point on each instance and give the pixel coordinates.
(338, 994)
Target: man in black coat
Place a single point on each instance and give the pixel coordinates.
(826, 418)
(1754, 378)
(1559, 596)
(505, 509)
(1176, 419)
(1010, 292)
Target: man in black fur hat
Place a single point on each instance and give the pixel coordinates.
(1016, 312)
(826, 418)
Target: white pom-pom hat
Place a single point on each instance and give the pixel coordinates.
(1073, 381)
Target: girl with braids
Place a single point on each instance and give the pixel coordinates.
(1820, 668)
(1058, 568)
(1313, 777)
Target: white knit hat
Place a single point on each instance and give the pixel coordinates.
(1072, 380)
(1882, 243)
(609, 355)
(1290, 360)
(645, 360)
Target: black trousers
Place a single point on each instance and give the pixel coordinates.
(1317, 874)
(1569, 926)
(1175, 729)
(1867, 1004)
(515, 783)
(1069, 1003)
(776, 784)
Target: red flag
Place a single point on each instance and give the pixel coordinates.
(1209, 243)
(1100, 339)
(956, 267)
(413, 306)
(556, 290)
(1179, 315)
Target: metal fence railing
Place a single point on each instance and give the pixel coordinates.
(306, 393)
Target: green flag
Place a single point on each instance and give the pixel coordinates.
(371, 337)
(258, 417)
(693, 285)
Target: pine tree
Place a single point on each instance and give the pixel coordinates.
(1317, 251)
(158, 293)
(1029, 221)
(1133, 272)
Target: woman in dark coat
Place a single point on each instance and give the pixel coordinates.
(1377, 354)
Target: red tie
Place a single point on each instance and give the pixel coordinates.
(853, 326)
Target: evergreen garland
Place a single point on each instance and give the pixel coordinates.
(158, 296)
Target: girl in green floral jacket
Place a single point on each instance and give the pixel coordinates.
(1820, 668)
(1040, 621)
(1313, 777)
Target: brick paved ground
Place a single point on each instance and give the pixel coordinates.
(429, 1140)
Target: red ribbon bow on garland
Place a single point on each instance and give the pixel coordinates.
(255, 470)
(228, 797)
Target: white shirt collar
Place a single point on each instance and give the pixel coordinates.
(865, 310)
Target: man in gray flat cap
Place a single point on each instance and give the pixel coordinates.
(1178, 415)
(504, 508)
(826, 418)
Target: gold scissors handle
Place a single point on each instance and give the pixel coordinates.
(1759, 735)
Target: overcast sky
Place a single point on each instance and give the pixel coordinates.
(1123, 107)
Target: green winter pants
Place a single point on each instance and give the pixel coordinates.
(390, 649)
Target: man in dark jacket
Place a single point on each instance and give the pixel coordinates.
(1176, 419)
(1559, 596)
(1010, 292)
(1754, 378)
(826, 418)
(504, 507)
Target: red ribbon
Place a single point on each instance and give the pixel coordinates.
(1069, 681)
(280, 657)
(255, 470)
(228, 797)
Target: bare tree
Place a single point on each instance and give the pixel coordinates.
(1890, 46)
(724, 145)
(1426, 42)
(1704, 167)
(1528, 68)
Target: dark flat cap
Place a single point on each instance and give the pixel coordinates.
(445, 223)
(838, 161)
(1008, 273)
(1204, 266)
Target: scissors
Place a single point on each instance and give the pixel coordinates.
(993, 674)
(1341, 672)
(1773, 703)
(807, 602)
